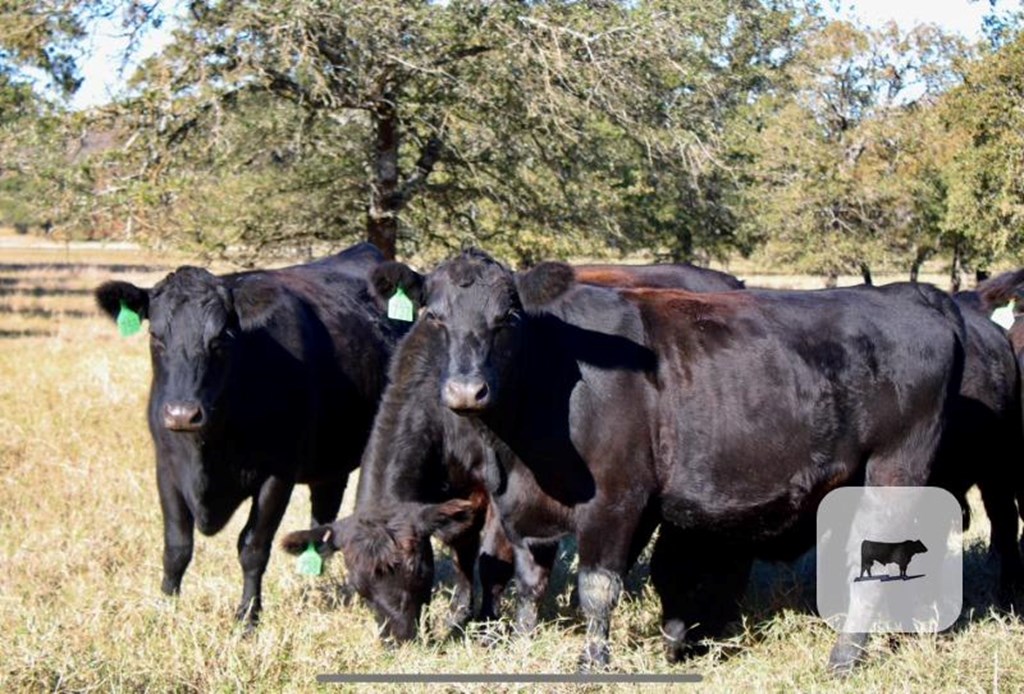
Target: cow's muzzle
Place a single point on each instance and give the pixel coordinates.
(184, 416)
(466, 395)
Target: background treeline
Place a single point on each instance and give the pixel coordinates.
(681, 129)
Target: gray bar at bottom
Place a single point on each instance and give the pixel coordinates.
(506, 678)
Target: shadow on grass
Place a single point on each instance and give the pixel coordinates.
(887, 578)
(14, 334)
(40, 312)
(328, 593)
(774, 588)
(41, 292)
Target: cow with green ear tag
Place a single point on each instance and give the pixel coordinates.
(261, 380)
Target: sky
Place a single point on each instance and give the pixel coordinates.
(103, 77)
(955, 15)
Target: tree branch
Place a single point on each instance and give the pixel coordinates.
(429, 156)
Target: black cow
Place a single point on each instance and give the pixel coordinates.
(985, 442)
(387, 487)
(899, 553)
(726, 417)
(261, 380)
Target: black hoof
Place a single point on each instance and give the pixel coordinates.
(595, 658)
(249, 616)
(168, 587)
(676, 645)
(845, 656)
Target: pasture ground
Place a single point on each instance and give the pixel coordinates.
(80, 546)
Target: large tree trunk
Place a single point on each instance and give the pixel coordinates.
(382, 215)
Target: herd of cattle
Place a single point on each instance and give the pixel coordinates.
(602, 402)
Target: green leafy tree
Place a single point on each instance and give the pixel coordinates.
(537, 129)
(985, 173)
(841, 171)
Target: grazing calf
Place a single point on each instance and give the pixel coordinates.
(725, 417)
(261, 380)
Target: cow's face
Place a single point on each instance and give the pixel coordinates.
(476, 306)
(919, 547)
(388, 556)
(195, 322)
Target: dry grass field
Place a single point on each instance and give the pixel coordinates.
(80, 547)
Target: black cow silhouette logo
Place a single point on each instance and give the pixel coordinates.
(884, 553)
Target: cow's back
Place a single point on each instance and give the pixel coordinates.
(767, 400)
(667, 276)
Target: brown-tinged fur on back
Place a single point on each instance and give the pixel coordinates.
(691, 306)
(608, 277)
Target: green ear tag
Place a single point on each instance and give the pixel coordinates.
(400, 307)
(128, 321)
(310, 563)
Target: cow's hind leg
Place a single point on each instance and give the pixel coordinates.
(907, 465)
(254, 543)
(1002, 513)
(700, 582)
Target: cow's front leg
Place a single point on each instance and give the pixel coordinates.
(599, 591)
(497, 561)
(606, 538)
(533, 570)
(465, 548)
(178, 531)
(268, 506)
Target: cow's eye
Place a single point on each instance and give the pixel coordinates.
(510, 319)
(156, 343)
(431, 316)
(218, 345)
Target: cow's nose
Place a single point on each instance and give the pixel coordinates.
(183, 416)
(466, 394)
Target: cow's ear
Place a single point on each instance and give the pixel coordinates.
(545, 282)
(255, 299)
(110, 296)
(326, 539)
(387, 277)
(448, 520)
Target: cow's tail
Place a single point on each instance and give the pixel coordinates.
(999, 290)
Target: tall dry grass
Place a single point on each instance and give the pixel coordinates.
(80, 546)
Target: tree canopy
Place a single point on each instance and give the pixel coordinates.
(678, 129)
